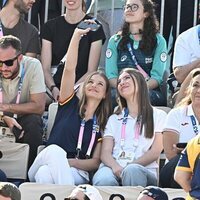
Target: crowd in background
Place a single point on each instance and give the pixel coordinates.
(109, 125)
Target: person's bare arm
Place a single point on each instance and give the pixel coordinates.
(87, 164)
(46, 58)
(93, 62)
(107, 158)
(153, 153)
(152, 83)
(183, 178)
(69, 71)
(181, 72)
(36, 105)
(170, 138)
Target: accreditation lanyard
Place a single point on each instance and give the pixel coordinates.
(18, 92)
(95, 129)
(136, 129)
(194, 124)
(130, 49)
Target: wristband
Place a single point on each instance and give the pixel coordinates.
(51, 88)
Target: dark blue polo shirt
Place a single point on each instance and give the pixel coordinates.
(66, 127)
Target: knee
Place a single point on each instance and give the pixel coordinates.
(103, 178)
(43, 175)
(55, 150)
(134, 175)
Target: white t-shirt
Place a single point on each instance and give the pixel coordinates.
(179, 121)
(187, 47)
(113, 129)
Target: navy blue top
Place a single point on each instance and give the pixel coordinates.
(66, 127)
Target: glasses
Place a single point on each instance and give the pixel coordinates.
(133, 7)
(8, 63)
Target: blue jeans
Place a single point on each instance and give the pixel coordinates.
(132, 175)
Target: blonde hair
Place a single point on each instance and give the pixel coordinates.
(103, 110)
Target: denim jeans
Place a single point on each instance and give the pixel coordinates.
(132, 175)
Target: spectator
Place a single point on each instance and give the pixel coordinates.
(152, 192)
(12, 22)
(135, 129)
(56, 35)
(74, 144)
(181, 126)
(3, 177)
(186, 58)
(187, 170)
(139, 43)
(22, 93)
(9, 191)
(85, 192)
(111, 21)
(170, 17)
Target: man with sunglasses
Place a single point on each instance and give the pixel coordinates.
(12, 23)
(22, 94)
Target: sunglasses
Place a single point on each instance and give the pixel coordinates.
(10, 62)
(133, 7)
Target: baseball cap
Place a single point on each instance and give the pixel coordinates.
(91, 192)
(155, 193)
(88, 190)
(10, 190)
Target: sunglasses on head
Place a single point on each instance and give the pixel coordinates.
(9, 62)
(133, 7)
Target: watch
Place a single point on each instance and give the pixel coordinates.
(51, 88)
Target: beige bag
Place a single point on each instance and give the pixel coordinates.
(6, 135)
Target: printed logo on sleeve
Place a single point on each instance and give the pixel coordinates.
(108, 53)
(163, 57)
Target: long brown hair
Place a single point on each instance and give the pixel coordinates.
(145, 110)
(104, 110)
(150, 29)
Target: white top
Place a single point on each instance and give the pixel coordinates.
(113, 129)
(187, 47)
(179, 121)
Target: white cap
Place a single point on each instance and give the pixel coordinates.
(91, 192)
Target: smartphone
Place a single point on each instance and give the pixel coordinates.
(85, 24)
(181, 145)
(17, 132)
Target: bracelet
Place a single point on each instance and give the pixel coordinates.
(51, 87)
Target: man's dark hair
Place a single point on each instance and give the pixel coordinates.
(9, 190)
(11, 41)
